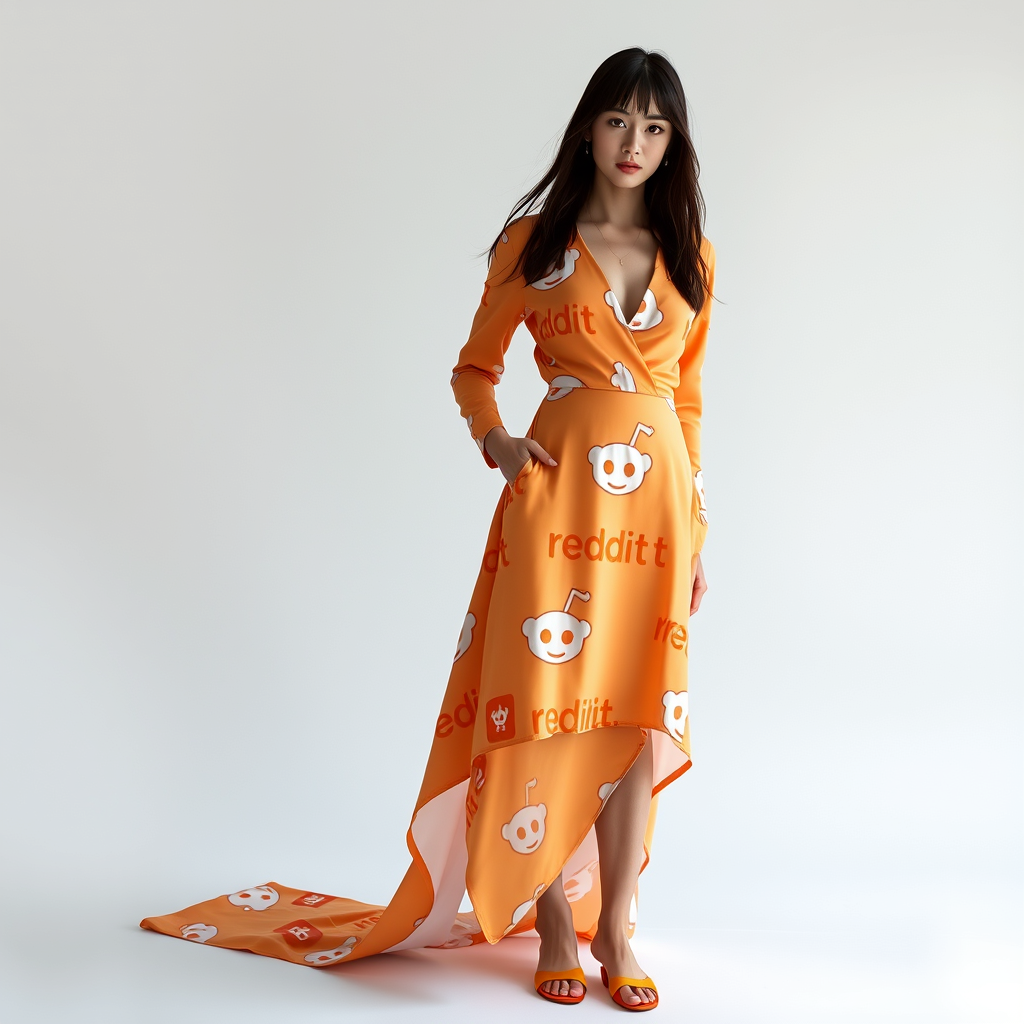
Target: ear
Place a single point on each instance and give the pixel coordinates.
(594, 454)
(504, 832)
(585, 630)
(647, 462)
(666, 698)
(542, 811)
(528, 627)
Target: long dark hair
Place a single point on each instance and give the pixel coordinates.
(673, 197)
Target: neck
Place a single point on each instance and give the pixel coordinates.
(623, 208)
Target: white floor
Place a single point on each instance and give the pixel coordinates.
(879, 960)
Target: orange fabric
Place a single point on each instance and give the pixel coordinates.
(574, 646)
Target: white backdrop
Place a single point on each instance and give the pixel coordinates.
(240, 516)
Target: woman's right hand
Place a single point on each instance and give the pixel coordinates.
(512, 453)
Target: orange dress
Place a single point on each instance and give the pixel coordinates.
(574, 646)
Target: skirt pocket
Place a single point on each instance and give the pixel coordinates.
(516, 485)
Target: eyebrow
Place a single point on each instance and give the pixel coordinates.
(655, 117)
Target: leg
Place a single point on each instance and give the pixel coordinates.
(558, 947)
(620, 841)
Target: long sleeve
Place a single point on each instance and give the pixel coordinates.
(688, 395)
(481, 359)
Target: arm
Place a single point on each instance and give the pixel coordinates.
(688, 396)
(481, 359)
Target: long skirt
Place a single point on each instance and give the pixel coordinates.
(573, 649)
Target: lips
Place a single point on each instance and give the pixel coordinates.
(628, 167)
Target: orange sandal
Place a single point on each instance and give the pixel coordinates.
(572, 974)
(617, 983)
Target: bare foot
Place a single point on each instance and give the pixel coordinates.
(613, 951)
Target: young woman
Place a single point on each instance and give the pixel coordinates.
(566, 707)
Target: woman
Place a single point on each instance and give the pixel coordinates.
(566, 707)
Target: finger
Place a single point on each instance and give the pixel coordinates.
(538, 450)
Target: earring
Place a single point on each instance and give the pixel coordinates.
(664, 162)
(588, 148)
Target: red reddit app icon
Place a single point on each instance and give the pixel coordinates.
(501, 718)
(312, 899)
(299, 933)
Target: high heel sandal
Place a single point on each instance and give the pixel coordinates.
(570, 974)
(616, 983)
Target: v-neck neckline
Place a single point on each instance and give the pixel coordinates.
(608, 287)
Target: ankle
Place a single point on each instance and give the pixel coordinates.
(611, 942)
(612, 934)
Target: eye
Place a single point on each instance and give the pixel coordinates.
(521, 832)
(535, 825)
(608, 467)
(629, 469)
(545, 635)
(567, 637)
(659, 127)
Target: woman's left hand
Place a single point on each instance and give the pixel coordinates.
(698, 585)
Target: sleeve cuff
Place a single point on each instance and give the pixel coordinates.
(698, 515)
(479, 426)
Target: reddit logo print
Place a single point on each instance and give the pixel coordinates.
(579, 884)
(327, 957)
(676, 710)
(647, 316)
(479, 440)
(477, 774)
(605, 790)
(557, 637)
(501, 718)
(466, 636)
(538, 352)
(299, 933)
(198, 932)
(498, 718)
(671, 403)
(561, 385)
(525, 832)
(462, 933)
(259, 897)
(702, 508)
(523, 909)
(622, 378)
(620, 468)
(556, 275)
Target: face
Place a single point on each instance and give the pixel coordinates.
(620, 138)
(326, 957)
(198, 932)
(618, 468)
(259, 897)
(526, 829)
(556, 637)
